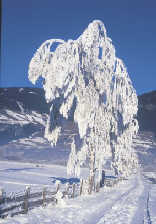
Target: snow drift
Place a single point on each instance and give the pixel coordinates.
(86, 83)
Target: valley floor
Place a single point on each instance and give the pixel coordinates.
(131, 201)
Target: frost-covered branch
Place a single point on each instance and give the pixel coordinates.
(87, 78)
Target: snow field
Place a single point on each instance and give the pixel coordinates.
(126, 203)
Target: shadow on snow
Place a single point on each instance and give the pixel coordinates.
(65, 180)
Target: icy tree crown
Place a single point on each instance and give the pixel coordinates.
(84, 78)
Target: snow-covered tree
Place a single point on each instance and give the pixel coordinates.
(87, 74)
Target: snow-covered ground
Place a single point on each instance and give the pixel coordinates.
(15, 176)
(131, 201)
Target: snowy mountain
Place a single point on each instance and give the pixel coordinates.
(23, 99)
(23, 111)
(20, 108)
(27, 99)
(23, 117)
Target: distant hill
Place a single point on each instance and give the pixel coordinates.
(23, 116)
(25, 101)
(28, 99)
(23, 112)
(147, 112)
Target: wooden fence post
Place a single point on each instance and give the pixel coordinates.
(73, 193)
(102, 182)
(67, 187)
(44, 196)
(57, 187)
(2, 195)
(67, 190)
(81, 186)
(27, 192)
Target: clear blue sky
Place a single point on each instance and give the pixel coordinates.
(131, 24)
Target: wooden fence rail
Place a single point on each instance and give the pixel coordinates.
(20, 204)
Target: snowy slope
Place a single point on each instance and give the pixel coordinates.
(23, 99)
(23, 111)
(145, 146)
(23, 117)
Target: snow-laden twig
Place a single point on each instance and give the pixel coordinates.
(86, 82)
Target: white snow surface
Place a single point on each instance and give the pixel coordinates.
(21, 118)
(132, 201)
(86, 82)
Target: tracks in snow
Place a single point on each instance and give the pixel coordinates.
(148, 211)
(132, 206)
(124, 208)
(115, 206)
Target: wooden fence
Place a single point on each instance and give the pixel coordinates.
(20, 203)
